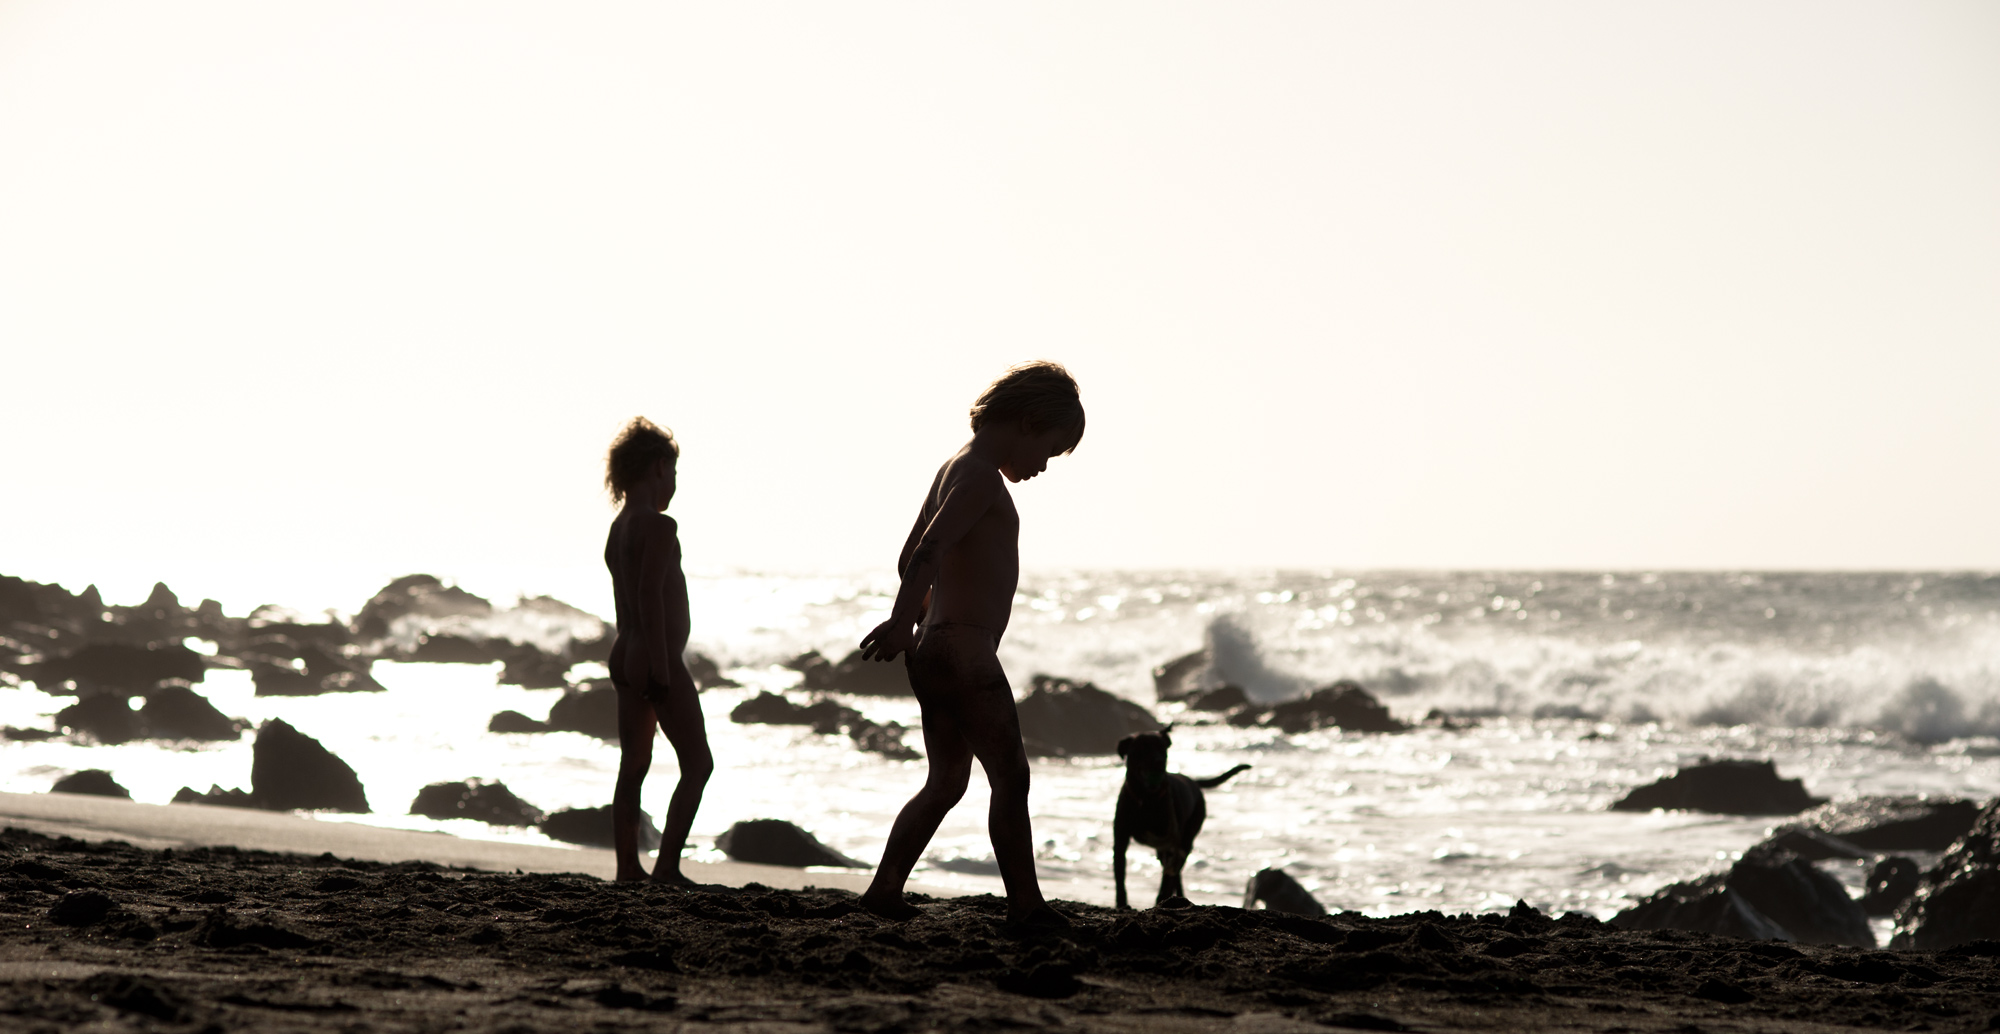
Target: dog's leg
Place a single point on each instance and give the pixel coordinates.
(1120, 839)
(1171, 860)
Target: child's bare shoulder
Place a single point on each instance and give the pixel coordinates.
(659, 528)
(969, 471)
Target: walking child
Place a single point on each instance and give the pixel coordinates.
(959, 570)
(643, 552)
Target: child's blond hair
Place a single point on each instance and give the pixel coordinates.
(1042, 395)
(634, 452)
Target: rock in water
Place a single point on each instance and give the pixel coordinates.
(1893, 823)
(528, 667)
(591, 708)
(1344, 704)
(290, 770)
(706, 673)
(777, 842)
(216, 796)
(591, 827)
(1890, 884)
(1182, 677)
(282, 666)
(515, 721)
(106, 717)
(94, 781)
(1706, 904)
(1062, 716)
(119, 667)
(1227, 698)
(491, 803)
(768, 708)
(177, 712)
(1725, 788)
(856, 674)
(1811, 845)
(1280, 893)
(419, 594)
(1959, 901)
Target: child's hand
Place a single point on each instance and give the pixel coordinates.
(890, 638)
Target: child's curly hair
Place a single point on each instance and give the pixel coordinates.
(633, 453)
(1041, 394)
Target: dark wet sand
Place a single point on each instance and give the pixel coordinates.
(219, 939)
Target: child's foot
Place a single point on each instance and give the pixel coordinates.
(672, 878)
(895, 909)
(1040, 917)
(632, 875)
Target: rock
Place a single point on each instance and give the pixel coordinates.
(886, 740)
(1344, 704)
(1722, 787)
(1767, 895)
(1280, 893)
(1227, 698)
(1809, 904)
(176, 712)
(1893, 823)
(591, 827)
(706, 673)
(28, 735)
(525, 665)
(1079, 718)
(1959, 900)
(81, 908)
(420, 594)
(1181, 677)
(858, 675)
(105, 717)
(591, 708)
(94, 781)
(777, 842)
(216, 796)
(446, 648)
(1811, 845)
(1890, 884)
(1706, 904)
(491, 803)
(515, 721)
(282, 666)
(290, 770)
(826, 718)
(118, 667)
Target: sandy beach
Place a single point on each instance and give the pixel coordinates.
(134, 934)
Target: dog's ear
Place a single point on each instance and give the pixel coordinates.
(1125, 745)
(1164, 738)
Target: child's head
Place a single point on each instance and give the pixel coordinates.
(1041, 395)
(640, 445)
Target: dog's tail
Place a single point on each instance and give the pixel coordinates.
(1210, 784)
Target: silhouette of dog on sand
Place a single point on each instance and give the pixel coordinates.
(1160, 809)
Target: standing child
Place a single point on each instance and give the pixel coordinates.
(959, 570)
(644, 555)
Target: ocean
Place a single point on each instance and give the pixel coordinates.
(1571, 687)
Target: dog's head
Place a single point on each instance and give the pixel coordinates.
(1145, 754)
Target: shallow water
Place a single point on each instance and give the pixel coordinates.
(1893, 700)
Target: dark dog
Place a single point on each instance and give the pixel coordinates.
(1159, 809)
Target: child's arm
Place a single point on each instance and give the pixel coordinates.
(968, 493)
(660, 559)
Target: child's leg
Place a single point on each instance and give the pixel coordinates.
(635, 757)
(950, 767)
(988, 714)
(680, 718)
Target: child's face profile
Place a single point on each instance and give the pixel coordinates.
(663, 474)
(1031, 452)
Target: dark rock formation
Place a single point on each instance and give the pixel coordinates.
(1958, 901)
(1344, 704)
(283, 666)
(777, 842)
(1181, 677)
(591, 827)
(1280, 893)
(528, 667)
(1890, 885)
(855, 674)
(826, 718)
(446, 648)
(420, 594)
(706, 673)
(176, 712)
(591, 708)
(491, 803)
(94, 781)
(1725, 788)
(1811, 845)
(1060, 717)
(217, 796)
(115, 667)
(105, 717)
(1227, 698)
(1767, 895)
(290, 770)
(515, 721)
(1893, 823)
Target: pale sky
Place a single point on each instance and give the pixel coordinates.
(296, 297)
